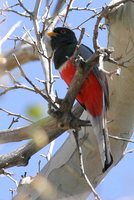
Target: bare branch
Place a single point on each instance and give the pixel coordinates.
(103, 14)
(15, 135)
(16, 115)
(121, 138)
(128, 151)
(42, 133)
(58, 7)
(16, 86)
(42, 48)
(75, 133)
(37, 8)
(12, 29)
(79, 43)
(85, 21)
(24, 8)
(67, 11)
(12, 192)
(24, 53)
(11, 178)
(83, 9)
(3, 20)
(49, 153)
(13, 122)
(9, 9)
(5, 172)
(37, 90)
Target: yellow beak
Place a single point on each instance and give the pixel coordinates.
(51, 34)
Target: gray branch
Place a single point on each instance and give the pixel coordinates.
(41, 133)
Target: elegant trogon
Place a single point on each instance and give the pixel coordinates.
(93, 95)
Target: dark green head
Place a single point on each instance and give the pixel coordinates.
(63, 43)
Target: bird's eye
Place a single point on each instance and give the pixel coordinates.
(63, 31)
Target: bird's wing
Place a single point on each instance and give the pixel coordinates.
(85, 52)
(99, 122)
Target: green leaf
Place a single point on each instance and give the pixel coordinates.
(35, 111)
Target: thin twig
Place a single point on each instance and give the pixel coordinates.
(58, 7)
(11, 178)
(83, 9)
(16, 86)
(46, 16)
(39, 166)
(121, 139)
(101, 65)
(16, 115)
(9, 175)
(2, 21)
(103, 14)
(83, 173)
(37, 8)
(13, 79)
(50, 151)
(13, 121)
(24, 8)
(85, 21)
(5, 172)
(67, 11)
(16, 12)
(128, 151)
(12, 192)
(11, 30)
(79, 43)
(42, 47)
(37, 90)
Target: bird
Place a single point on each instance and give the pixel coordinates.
(94, 92)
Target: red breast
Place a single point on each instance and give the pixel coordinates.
(91, 93)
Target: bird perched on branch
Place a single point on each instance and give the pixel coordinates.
(93, 95)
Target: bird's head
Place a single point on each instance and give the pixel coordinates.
(63, 43)
(62, 36)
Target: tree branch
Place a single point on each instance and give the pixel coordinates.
(16, 115)
(82, 168)
(103, 14)
(41, 133)
(24, 52)
(12, 29)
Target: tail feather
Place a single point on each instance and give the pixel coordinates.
(108, 155)
(101, 132)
